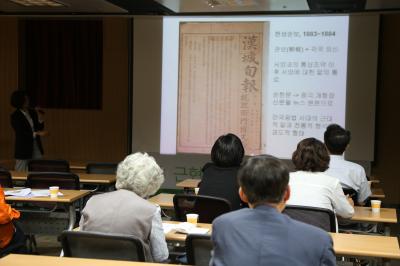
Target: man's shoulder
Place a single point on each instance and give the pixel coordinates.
(233, 217)
(348, 165)
(354, 165)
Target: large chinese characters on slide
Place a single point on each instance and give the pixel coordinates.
(220, 84)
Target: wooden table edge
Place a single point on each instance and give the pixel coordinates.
(47, 199)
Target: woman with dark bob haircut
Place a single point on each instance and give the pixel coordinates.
(219, 177)
(310, 186)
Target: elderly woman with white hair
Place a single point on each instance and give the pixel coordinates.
(125, 211)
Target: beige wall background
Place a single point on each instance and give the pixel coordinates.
(8, 81)
(79, 135)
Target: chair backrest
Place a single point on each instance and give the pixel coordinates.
(207, 207)
(5, 179)
(48, 166)
(48, 179)
(352, 193)
(95, 245)
(198, 249)
(101, 168)
(319, 217)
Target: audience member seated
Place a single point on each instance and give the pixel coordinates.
(350, 175)
(310, 186)
(126, 211)
(219, 177)
(10, 235)
(261, 235)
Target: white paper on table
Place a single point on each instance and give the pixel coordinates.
(29, 193)
(18, 193)
(184, 228)
(168, 227)
(43, 193)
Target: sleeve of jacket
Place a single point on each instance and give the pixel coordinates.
(340, 202)
(17, 122)
(7, 214)
(328, 257)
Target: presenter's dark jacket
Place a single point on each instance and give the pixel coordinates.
(24, 134)
(263, 236)
(221, 182)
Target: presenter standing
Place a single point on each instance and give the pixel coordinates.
(28, 125)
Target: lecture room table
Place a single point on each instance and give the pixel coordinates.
(77, 166)
(191, 183)
(361, 214)
(386, 216)
(68, 199)
(34, 260)
(93, 179)
(344, 244)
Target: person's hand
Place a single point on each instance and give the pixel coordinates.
(40, 113)
(350, 200)
(42, 133)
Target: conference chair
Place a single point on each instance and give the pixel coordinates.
(101, 168)
(198, 249)
(96, 245)
(44, 180)
(319, 217)
(5, 179)
(48, 166)
(207, 207)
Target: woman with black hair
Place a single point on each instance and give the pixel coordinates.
(219, 176)
(28, 126)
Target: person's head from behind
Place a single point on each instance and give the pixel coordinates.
(311, 155)
(227, 151)
(336, 139)
(139, 173)
(20, 99)
(264, 179)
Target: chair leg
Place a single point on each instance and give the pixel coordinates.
(32, 245)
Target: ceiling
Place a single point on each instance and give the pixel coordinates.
(199, 7)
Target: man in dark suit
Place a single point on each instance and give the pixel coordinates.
(261, 235)
(28, 126)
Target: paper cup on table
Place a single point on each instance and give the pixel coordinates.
(196, 190)
(192, 218)
(376, 206)
(54, 191)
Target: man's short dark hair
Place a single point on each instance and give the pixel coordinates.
(263, 179)
(336, 139)
(18, 98)
(227, 151)
(311, 155)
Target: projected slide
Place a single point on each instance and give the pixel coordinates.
(270, 80)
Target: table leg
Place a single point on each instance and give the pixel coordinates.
(385, 262)
(387, 230)
(71, 216)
